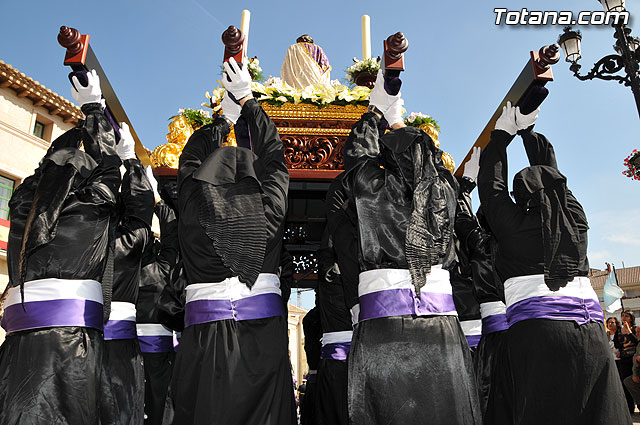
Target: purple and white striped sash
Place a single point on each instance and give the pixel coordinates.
(54, 303)
(122, 321)
(232, 299)
(389, 292)
(472, 331)
(528, 297)
(154, 338)
(494, 317)
(336, 345)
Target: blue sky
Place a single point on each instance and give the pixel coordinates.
(163, 55)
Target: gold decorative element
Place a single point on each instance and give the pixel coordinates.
(430, 129)
(448, 162)
(313, 136)
(304, 111)
(231, 139)
(314, 131)
(179, 130)
(166, 155)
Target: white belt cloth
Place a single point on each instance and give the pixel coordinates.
(232, 299)
(54, 302)
(122, 321)
(390, 292)
(336, 337)
(528, 297)
(494, 317)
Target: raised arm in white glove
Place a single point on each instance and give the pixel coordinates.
(89, 94)
(240, 84)
(230, 109)
(393, 115)
(507, 120)
(153, 181)
(126, 148)
(526, 121)
(379, 96)
(472, 166)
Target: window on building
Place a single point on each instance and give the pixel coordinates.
(6, 190)
(38, 129)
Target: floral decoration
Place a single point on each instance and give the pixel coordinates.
(370, 65)
(416, 119)
(277, 92)
(632, 163)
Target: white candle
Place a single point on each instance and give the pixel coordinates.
(244, 27)
(366, 37)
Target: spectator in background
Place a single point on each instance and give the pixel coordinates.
(613, 331)
(632, 383)
(626, 342)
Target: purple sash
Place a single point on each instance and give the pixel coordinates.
(250, 308)
(156, 344)
(120, 329)
(473, 340)
(403, 302)
(494, 323)
(578, 310)
(335, 351)
(52, 313)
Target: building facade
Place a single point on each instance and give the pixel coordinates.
(31, 116)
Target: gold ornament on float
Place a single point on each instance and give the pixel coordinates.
(430, 129)
(448, 162)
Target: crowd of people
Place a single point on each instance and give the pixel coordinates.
(426, 312)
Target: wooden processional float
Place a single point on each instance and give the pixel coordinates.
(80, 57)
(528, 92)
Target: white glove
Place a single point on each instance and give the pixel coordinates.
(526, 121)
(507, 120)
(153, 181)
(89, 94)
(472, 166)
(240, 84)
(230, 109)
(379, 96)
(126, 148)
(393, 115)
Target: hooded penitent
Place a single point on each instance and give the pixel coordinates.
(231, 210)
(542, 190)
(419, 164)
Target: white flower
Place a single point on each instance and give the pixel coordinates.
(181, 111)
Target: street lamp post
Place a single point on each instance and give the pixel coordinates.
(608, 68)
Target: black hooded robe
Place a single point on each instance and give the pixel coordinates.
(123, 367)
(405, 369)
(53, 374)
(331, 399)
(233, 371)
(461, 278)
(479, 246)
(312, 335)
(157, 349)
(552, 371)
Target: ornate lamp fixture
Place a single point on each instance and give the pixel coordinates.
(609, 67)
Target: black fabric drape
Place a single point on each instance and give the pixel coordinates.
(569, 378)
(51, 376)
(519, 229)
(55, 374)
(122, 398)
(74, 230)
(158, 262)
(242, 377)
(406, 208)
